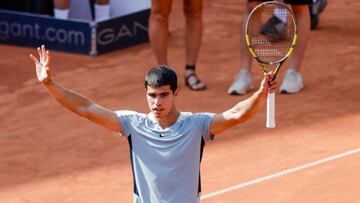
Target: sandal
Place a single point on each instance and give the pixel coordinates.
(193, 82)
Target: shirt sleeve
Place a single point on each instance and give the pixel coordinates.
(205, 123)
(124, 118)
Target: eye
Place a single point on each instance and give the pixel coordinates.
(152, 95)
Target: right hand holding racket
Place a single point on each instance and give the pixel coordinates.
(42, 65)
(268, 84)
(270, 44)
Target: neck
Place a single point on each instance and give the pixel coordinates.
(170, 119)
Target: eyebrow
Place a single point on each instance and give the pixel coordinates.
(161, 93)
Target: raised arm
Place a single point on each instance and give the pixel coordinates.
(243, 110)
(71, 100)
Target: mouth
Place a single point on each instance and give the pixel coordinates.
(157, 110)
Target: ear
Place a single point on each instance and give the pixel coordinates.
(176, 91)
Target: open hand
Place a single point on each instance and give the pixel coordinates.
(42, 65)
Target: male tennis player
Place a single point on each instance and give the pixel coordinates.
(166, 145)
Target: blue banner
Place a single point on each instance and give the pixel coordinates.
(33, 30)
(122, 32)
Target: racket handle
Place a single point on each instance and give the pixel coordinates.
(270, 110)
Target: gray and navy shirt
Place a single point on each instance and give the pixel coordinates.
(166, 162)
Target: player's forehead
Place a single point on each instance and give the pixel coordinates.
(158, 89)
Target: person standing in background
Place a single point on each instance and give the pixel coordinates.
(62, 8)
(316, 8)
(292, 82)
(158, 34)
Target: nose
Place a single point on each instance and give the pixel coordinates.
(157, 101)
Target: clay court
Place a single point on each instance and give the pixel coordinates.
(49, 155)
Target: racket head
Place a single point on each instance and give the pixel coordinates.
(270, 33)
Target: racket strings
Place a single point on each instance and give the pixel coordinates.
(271, 30)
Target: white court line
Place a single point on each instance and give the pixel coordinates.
(292, 170)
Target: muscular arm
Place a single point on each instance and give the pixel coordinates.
(83, 106)
(243, 110)
(72, 100)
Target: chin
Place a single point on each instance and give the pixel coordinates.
(158, 115)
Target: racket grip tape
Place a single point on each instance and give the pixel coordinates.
(270, 110)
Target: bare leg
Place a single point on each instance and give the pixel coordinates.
(193, 18)
(303, 26)
(158, 28)
(243, 80)
(293, 82)
(61, 4)
(102, 10)
(61, 9)
(245, 57)
(101, 2)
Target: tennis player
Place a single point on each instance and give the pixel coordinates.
(166, 145)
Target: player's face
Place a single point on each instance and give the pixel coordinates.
(160, 100)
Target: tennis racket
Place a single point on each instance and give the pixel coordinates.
(270, 34)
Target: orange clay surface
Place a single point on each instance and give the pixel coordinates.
(50, 155)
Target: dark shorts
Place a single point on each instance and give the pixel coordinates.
(294, 2)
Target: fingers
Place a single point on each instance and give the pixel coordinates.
(43, 52)
(272, 86)
(272, 83)
(269, 83)
(47, 57)
(44, 57)
(36, 61)
(267, 78)
(39, 53)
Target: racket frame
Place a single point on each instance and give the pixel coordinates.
(270, 119)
